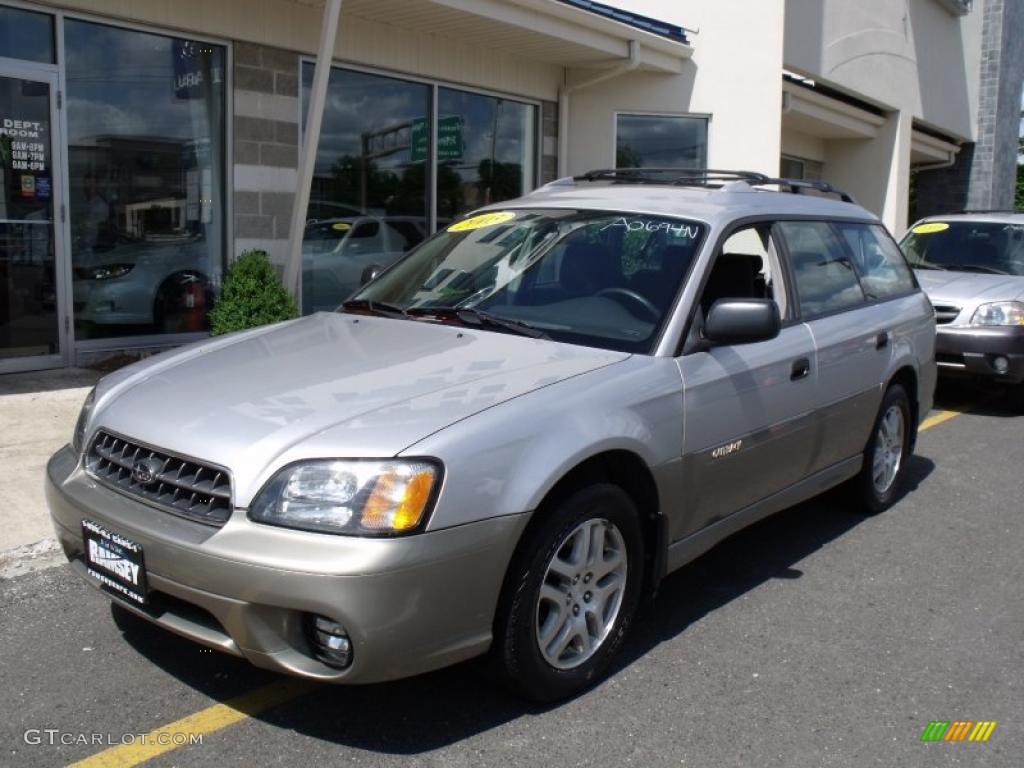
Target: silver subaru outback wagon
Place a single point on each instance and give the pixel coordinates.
(505, 439)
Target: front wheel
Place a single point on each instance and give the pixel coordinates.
(885, 457)
(570, 595)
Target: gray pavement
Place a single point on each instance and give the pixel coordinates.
(37, 415)
(816, 638)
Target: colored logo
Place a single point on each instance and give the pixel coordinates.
(958, 730)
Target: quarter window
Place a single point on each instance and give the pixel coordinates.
(826, 280)
(883, 270)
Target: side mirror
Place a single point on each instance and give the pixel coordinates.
(370, 273)
(742, 321)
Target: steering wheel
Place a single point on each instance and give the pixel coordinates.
(634, 297)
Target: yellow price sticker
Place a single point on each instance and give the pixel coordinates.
(342, 226)
(481, 221)
(930, 228)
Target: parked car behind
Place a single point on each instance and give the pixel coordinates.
(336, 253)
(507, 438)
(972, 266)
(163, 281)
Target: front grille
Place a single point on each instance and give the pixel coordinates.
(946, 313)
(183, 486)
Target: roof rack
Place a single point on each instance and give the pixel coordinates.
(710, 177)
(678, 176)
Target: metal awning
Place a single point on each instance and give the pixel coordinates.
(549, 31)
(816, 114)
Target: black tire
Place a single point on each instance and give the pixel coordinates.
(874, 499)
(1015, 397)
(516, 652)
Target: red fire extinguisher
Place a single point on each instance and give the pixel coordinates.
(194, 309)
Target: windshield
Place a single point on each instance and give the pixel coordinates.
(968, 246)
(593, 278)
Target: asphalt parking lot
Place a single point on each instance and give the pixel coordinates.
(816, 638)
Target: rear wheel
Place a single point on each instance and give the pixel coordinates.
(887, 452)
(570, 595)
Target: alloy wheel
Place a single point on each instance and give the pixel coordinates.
(581, 594)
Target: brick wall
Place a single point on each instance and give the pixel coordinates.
(993, 172)
(944, 190)
(266, 114)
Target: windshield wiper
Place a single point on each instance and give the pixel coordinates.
(477, 317)
(376, 308)
(976, 268)
(928, 265)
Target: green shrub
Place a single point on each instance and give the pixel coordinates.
(253, 295)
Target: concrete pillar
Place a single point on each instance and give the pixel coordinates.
(876, 171)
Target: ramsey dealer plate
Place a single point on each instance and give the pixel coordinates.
(115, 562)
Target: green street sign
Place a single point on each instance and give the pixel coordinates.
(449, 139)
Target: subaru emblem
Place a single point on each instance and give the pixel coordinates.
(145, 471)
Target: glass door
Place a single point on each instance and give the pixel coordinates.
(32, 327)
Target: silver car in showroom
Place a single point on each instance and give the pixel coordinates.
(972, 267)
(507, 438)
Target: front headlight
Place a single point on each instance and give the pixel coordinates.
(999, 313)
(78, 436)
(108, 271)
(355, 497)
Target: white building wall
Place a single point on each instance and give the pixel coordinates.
(733, 76)
(913, 59)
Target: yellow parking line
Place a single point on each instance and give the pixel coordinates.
(204, 722)
(940, 417)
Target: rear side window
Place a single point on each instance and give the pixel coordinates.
(883, 270)
(826, 280)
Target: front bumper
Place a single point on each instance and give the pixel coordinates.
(409, 604)
(974, 351)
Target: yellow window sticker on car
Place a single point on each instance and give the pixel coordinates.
(342, 226)
(481, 221)
(930, 228)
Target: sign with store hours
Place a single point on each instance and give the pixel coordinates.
(27, 147)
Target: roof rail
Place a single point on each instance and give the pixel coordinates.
(682, 176)
(710, 177)
(982, 210)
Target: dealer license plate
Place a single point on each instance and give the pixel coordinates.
(115, 562)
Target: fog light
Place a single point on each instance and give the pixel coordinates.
(331, 643)
(1000, 364)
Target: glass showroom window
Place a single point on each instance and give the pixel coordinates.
(26, 35)
(485, 151)
(370, 199)
(368, 204)
(146, 158)
(661, 141)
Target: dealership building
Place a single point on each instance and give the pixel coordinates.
(146, 143)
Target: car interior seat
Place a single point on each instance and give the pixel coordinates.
(734, 276)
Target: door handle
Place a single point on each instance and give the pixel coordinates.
(882, 340)
(801, 369)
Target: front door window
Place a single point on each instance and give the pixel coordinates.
(29, 325)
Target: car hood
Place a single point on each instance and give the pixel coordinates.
(329, 385)
(965, 288)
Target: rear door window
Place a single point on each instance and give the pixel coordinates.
(825, 277)
(883, 269)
